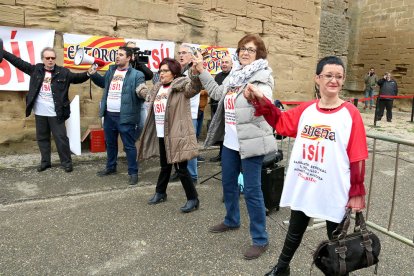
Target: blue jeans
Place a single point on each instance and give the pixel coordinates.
(199, 127)
(192, 164)
(112, 129)
(143, 117)
(369, 92)
(253, 195)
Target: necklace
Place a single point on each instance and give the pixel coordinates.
(331, 106)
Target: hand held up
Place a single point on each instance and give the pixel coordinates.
(93, 69)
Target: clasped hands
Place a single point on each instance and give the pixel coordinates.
(252, 93)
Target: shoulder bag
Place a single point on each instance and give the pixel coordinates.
(348, 252)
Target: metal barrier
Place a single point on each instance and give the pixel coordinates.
(387, 230)
(287, 145)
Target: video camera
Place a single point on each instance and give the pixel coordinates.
(141, 57)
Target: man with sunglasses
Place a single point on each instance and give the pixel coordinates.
(48, 98)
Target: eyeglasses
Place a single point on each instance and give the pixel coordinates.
(329, 77)
(249, 50)
(163, 71)
(50, 58)
(183, 53)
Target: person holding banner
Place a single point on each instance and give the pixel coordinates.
(168, 131)
(327, 163)
(121, 109)
(247, 139)
(49, 101)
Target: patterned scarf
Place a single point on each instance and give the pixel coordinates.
(240, 75)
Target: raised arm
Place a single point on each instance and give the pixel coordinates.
(20, 64)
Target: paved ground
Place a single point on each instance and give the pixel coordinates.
(55, 223)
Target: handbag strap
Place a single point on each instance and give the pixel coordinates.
(340, 234)
(367, 242)
(342, 228)
(341, 251)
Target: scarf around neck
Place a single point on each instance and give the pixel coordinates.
(240, 75)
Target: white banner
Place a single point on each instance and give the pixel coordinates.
(73, 126)
(26, 44)
(159, 51)
(105, 48)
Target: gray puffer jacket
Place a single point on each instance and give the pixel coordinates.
(254, 134)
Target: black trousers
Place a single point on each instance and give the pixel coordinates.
(44, 126)
(297, 226)
(385, 104)
(183, 174)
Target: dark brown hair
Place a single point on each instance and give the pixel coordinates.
(261, 51)
(173, 65)
(128, 51)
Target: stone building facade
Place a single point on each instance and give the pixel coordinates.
(371, 33)
(364, 33)
(290, 30)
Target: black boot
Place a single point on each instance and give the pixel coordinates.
(190, 205)
(157, 198)
(277, 271)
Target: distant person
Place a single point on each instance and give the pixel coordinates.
(327, 163)
(168, 131)
(388, 87)
(121, 110)
(48, 98)
(226, 66)
(370, 83)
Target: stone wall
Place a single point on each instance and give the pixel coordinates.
(383, 38)
(334, 29)
(290, 30)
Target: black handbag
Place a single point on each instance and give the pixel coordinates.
(346, 253)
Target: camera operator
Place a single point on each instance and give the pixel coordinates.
(148, 76)
(135, 62)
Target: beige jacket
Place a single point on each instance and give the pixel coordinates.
(179, 134)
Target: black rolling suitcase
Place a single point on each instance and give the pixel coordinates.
(273, 176)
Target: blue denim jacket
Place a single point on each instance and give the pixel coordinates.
(130, 102)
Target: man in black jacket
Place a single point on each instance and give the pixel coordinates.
(388, 87)
(226, 65)
(48, 98)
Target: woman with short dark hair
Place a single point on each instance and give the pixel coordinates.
(327, 163)
(168, 131)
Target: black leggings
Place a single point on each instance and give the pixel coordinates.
(297, 227)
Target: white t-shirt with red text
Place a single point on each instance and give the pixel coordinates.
(318, 178)
(231, 139)
(113, 102)
(44, 104)
(160, 104)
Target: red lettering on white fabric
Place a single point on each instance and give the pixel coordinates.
(313, 153)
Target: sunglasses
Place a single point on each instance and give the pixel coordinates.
(50, 58)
